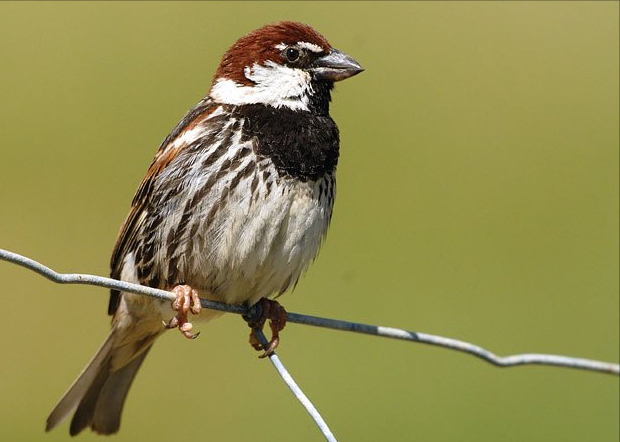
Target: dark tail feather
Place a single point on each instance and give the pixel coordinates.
(76, 392)
(99, 393)
(102, 405)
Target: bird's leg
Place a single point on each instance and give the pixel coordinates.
(186, 300)
(276, 314)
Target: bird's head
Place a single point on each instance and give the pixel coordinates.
(286, 64)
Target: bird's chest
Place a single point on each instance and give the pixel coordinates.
(243, 210)
(260, 242)
(300, 145)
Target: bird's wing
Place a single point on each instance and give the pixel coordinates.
(167, 152)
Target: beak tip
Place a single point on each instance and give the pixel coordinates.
(353, 72)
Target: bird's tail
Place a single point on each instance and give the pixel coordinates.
(99, 392)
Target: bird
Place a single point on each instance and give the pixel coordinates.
(233, 208)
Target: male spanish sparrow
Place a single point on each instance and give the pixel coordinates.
(233, 207)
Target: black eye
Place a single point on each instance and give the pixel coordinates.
(292, 54)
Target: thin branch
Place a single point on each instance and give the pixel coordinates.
(388, 332)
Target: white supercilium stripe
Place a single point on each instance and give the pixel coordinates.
(310, 46)
(302, 44)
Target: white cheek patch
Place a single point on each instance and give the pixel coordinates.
(274, 85)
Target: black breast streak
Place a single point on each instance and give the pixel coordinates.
(301, 144)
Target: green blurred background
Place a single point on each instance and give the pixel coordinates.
(477, 199)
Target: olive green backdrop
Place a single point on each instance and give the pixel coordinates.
(477, 199)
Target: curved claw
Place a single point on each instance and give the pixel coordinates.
(276, 314)
(271, 347)
(186, 300)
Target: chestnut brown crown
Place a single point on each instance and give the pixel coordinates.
(288, 43)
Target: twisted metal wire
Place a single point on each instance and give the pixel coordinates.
(388, 332)
(335, 324)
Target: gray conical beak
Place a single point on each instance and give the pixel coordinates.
(335, 66)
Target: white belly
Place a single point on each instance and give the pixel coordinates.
(258, 248)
